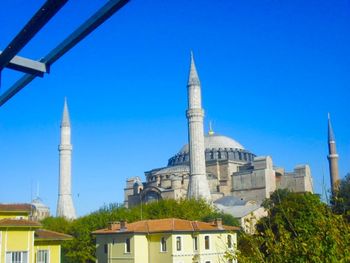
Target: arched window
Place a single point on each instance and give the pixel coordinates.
(105, 248)
(163, 244)
(127, 245)
(206, 242)
(229, 241)
(195, 243)
(178, 243)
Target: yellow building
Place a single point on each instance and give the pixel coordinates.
(23, 241)
(165, 241)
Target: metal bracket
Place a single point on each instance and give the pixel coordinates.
(79, 34)
(28, 65)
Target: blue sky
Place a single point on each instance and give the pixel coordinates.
(270, 71)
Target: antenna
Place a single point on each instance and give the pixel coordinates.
(31, 190)
(37, 190)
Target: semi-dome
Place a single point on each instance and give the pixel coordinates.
(174, 170)
(37, 203)
(215, 141)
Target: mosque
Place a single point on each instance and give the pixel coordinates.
(214, 167)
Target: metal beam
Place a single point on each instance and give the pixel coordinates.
(85, 29)
(80, 33)
(21, 83)
(40, 18)
(27, 65)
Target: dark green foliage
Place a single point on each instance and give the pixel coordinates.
(341, 199)
(82, 247)
(299, 228)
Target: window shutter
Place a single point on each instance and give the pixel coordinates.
(8, 257)
(25, 257)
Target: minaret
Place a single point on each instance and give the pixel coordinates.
(198, 184)
(332, 157)
(65, 207)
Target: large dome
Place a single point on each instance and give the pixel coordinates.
(215, 141)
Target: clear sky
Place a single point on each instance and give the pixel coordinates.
(270, 70)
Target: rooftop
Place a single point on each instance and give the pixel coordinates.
(11, 222)
(42, 234)
(165, 225)
(15, 208)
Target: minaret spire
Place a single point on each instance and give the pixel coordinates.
(198, 184)
(332, 157)
(65, 207)
(65, 117)
(211, 131)
(193, 78)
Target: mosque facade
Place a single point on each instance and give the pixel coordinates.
(230, 169)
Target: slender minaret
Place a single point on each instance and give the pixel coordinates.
(332, 157)
(65, 207)
(198, 185)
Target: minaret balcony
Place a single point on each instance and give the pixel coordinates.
(65, 147)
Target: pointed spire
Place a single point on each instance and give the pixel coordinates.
(331, 136)
(211, 132)
(65, 118)
(193, 78)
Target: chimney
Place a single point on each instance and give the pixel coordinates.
(218, 223)
(122, 225)
(113, 225)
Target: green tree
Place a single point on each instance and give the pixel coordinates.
(341, 199)
(298, 228)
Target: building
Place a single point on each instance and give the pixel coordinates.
(165, 241)
(65, 206)
(39, 210)
(230, 169)
(247, 212)
(23, 241)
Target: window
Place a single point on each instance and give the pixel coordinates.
(17, 257)
(127, 245)
(229, 241)
(105, 247)
(207, 262)
(42, 256)
(178, 243)
(206, 242)
(163, 244)
(195, 243)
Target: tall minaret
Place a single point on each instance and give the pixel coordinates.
(198, 185)
(332, 157)
(65, 207)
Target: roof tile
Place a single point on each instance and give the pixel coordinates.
(11, 222)
(165, 225)
(15, 207)
(43, 234)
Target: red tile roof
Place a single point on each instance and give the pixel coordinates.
(42, 234)
(12, 222)
(15, 208)
(165, 225)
